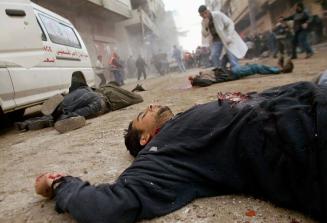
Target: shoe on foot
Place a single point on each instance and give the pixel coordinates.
(138, 88)
(50, 105)
(41, 123)
(288, 68)
(70, 124)
(308, 55)
(21, 126)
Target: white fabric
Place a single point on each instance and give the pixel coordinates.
(225, 29)
(99, 67)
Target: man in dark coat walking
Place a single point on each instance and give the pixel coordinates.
(140, 66)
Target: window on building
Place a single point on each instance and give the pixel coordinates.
(60, 33)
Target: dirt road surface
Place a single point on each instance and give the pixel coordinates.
(96, 152)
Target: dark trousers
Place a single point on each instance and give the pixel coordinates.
(141, 71)
(118, 77)
(284, 45)
(301, 39)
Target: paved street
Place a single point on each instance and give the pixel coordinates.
(97, 153)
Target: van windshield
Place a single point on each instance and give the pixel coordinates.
(60, 33)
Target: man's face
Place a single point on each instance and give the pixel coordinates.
(206, 14)
(151, 119)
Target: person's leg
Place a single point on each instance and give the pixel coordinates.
(144, 74)
(216, 49)
(102, 79)
(35, 123)
(138, 74)
(232, 59)
(251, 69)
(116, 76)
(179, 65)
(295, 43)
(119, 77)
(264, 69)
(183, 66)
(288, 47)
(303, 39)
(281, 52)
(224, 61)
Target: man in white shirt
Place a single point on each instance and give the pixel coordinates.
(220, 31)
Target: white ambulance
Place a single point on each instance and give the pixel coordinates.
(39, 51)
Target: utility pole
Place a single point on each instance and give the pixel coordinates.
(252, 15)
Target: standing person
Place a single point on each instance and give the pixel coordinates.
(177, 55)
(99, 71)
(116, 68)
(140, 66)
(130, 66)
(221, 32)
(283, 35)
(272, 44)
(300, 27)
(317, 28)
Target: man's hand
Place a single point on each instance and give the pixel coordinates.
(305, 25)
(228, 41)
(43, 184)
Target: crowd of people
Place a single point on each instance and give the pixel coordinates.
(305, 31)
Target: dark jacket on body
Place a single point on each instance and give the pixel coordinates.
(272, 147)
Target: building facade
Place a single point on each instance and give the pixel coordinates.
(149, 30)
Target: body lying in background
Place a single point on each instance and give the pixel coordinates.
(217, 75)
(70, 111)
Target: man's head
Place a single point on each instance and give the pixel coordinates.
(100, 57)
(204, 12)
(145, 126)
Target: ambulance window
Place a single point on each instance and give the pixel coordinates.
(70, 36)
(43, 36)
(60, 33)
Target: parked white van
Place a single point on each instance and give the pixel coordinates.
(39, 51)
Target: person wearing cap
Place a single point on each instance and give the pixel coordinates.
(220, 31)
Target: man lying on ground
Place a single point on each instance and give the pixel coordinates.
(68, 112)
(270, 145)
(208, 77)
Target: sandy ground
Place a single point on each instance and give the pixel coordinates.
(96, 152)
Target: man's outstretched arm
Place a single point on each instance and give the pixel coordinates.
(87, 203)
